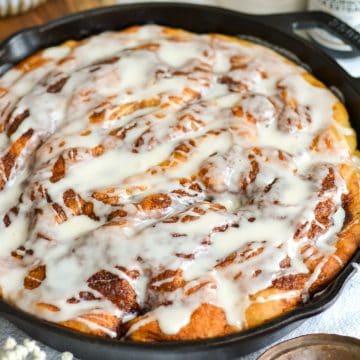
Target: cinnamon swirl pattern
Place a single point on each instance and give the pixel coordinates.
(161, 185)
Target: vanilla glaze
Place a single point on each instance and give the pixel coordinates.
(148, 156)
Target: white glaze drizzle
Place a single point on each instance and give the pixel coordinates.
(169, 112)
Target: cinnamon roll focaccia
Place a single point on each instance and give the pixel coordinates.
(160, 185)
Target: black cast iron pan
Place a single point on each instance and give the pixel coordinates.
(273, 29)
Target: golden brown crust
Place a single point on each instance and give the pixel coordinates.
(207, 320)
(257, 313)
(94, 324)
(262, 308)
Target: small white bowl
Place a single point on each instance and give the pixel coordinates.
(15, 7)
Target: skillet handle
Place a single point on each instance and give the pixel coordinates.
(338, 27)
(346, 55)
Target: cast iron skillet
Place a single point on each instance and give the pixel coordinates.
(276, 30)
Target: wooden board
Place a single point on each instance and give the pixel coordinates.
(50, 10)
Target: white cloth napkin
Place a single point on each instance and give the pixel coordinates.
(342, 318)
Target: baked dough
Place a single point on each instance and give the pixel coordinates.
(160, 185)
